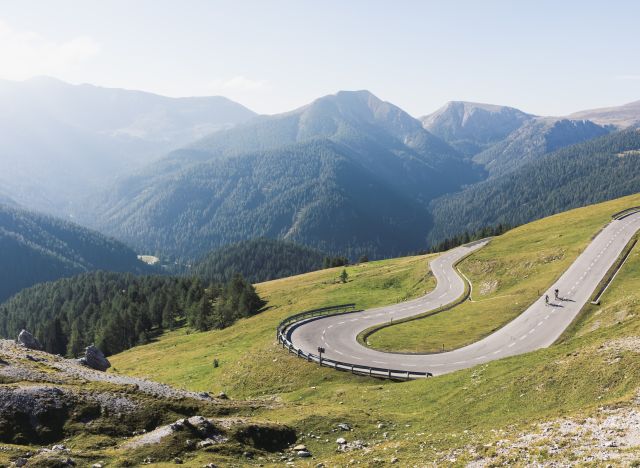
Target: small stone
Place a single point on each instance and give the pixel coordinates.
(178, 461)
(303, 454)
(96, 465)
(69, 462)
(341, 441)
(394, 460)
(210, 465)
(380, 425)
(205, 443)
(299, 447)
(247, 454)
(344, 427)
(59, 447)
(20, 461)
(222, 396)
(320, 465)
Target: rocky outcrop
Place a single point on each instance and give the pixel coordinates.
(94, 358)
(27, 340)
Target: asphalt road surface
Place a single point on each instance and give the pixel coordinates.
(537, 327)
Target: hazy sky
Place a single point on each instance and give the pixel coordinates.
(545, 57)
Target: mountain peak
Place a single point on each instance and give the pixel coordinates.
(470, 126)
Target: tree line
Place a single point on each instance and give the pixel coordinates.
(117, 311)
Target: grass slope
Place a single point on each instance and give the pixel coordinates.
(185, 359)
(507, 276)
(447, 420)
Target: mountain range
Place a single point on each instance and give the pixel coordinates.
(59, 142)
(347, 174)
(622, 117)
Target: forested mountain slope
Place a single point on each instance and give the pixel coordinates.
(59, 141)
(533, 139)
(348, 173)
(257, 260)
(36, 248)
(590, 172)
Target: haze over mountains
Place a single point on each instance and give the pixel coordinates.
(59, 141)
(346, 174)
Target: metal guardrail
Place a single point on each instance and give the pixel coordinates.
(626, 212)
(358, 369)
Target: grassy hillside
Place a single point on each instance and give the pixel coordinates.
(183, 358)
(507, 276)
(452, 419)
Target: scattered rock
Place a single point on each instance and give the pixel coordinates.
(206, 443)
(59, 447)
(355, 445)
(341, 441)
(299, 447)
(303, 454)
(20, 461)
(344, 427)
(97, 465)
(394, 460)
(210, 465)
(222, 396)
(94, 359)
(29, 341)
(178, 461)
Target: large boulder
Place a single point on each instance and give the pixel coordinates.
(94, 358)
(27, 340)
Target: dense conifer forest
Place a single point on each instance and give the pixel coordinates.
(119, 310)
(590, 172)
(257, 260)
(36, 248)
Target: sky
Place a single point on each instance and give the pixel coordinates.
(544, 57)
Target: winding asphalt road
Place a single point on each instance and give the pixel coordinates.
(537, 327)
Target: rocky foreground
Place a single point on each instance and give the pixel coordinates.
(60, 412)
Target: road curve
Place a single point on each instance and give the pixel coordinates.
(537, 327)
